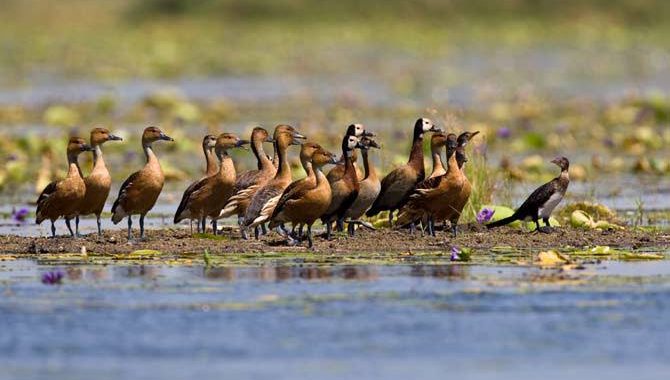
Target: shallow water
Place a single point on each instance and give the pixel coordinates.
(420, 321)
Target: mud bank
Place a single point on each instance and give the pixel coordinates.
(181, 241)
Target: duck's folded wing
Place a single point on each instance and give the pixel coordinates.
(189, 193)
(123, 191)
(44, 196)
(259, 201)
(294, 191)
(245, 180)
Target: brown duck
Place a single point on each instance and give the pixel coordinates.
(305, 200)
(63, 198)
(139, 192)
(250, 181)
(345, 190)
(99, 182)
(422, 203)
(212, 167)
(369, 188)
(400, 182)
(437, 142)
(454, 207)
(265, 199)
(210, 194)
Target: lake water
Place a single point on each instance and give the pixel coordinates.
(334, 322)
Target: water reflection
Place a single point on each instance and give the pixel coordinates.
(268, 273)
(450, 272)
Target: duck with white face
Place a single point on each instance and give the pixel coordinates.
(345, 190)
(400, 182)
(542, 202)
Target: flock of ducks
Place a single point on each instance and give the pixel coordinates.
(267, 197)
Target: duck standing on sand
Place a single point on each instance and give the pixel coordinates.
(400, 182)
(368, 191)
(99, 182)
(139, 192)
(210, 194)
(248, 183)
(305, 200)
(63, 198)
(263, 202)
(208, 143)
(542, 202)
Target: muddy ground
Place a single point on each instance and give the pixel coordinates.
(181, 241)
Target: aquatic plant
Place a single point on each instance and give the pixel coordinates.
(52, 277)
(484, 215)
(454, 253)
(20, 215)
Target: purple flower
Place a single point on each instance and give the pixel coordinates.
(485, 215)
(20, 215)
(454, 254)
(504, 133)
(52, 278)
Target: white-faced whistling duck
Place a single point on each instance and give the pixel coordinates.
(424, 201)
(345, 190)
(369, 188)
(400, 182)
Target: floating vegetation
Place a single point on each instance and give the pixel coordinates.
(52, 277)
(580, 219)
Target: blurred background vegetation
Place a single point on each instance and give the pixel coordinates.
(111, 39)
(587, 79)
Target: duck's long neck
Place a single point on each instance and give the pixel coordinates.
(275, 155)
(262, 159)
(416, 154)
(320, 177)
(349, 168)
(284, 169)
(98, 160)
(226, 166)
(309, 169)
(370, 171)
(210, 159)
(152, 160)
(73, 166)
(452, 162)
(438, 165)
